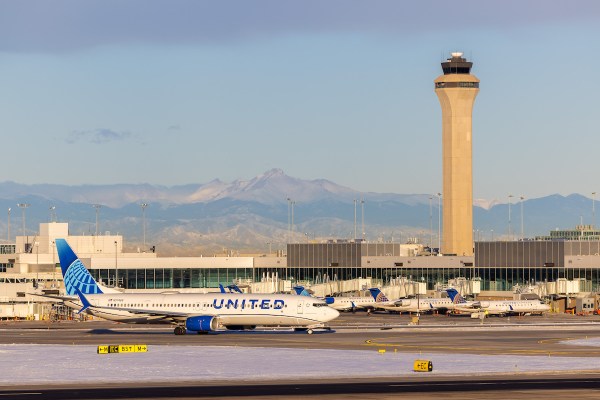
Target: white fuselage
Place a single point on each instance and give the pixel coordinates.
(349, 303)
(415, 306)
(505, 306)
(228, 308)
(425, 305)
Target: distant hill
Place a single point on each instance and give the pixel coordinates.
(245, 216)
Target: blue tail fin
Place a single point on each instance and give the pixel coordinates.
(378, 295)
(301, 291)
(234, 288)
(455, 296)
(75, 275)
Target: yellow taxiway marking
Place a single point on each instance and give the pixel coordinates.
(485, 350)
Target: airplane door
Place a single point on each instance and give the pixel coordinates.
(300, 307)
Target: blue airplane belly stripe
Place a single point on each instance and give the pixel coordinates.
(109, 311)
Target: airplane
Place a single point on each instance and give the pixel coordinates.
(232, 288)
(423, 305)
(351, 303)
(497, 307)
(200, 313)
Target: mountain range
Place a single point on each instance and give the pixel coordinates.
(255, 215)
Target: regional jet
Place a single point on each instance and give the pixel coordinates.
(420, 305)
(498, 307)
(350, 303)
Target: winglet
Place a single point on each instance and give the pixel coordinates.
(301, 291)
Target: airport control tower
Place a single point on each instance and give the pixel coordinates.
(456, 90)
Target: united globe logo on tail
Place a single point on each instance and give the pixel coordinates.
(378, 295)
(381, 298)
(75, 275)
(455, 296)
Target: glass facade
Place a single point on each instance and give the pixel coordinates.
(7, 248)
(171, 278)
(498, 265)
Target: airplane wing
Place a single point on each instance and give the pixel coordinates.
(388, 307)
(173, 315)
(468, 307)
(57, 297)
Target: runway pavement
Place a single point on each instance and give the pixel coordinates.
(525, 335)
(490, 388)
(531, 335)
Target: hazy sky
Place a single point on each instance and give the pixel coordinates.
(174, 92)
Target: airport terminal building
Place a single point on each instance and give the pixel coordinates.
(333, 267)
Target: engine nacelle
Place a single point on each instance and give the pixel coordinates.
(405, 303)
(204, 323)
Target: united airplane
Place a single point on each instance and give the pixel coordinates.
(200, 313)
(497, 307)
(410, 305)
(351, 303)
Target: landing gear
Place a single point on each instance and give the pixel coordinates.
(180, 330)
(309, 331)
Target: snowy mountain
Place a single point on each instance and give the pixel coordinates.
(246, 214)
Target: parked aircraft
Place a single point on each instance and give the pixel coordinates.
(410, 305)
(497, 307)
(232, 288)
(187, 311)
(340, 303)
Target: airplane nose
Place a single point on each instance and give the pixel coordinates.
(332, 313)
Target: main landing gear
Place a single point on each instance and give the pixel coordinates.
(180, 330)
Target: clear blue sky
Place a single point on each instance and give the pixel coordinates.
(174, 92)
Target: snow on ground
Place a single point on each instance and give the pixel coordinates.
(39, 364)
(594, 342)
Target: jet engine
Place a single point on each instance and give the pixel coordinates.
(204, 323)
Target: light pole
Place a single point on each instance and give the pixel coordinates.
(594, 209)
(510, 196)
(97, 207)
(430, 221)
(143, 206)
(362, 215)
(269, 243)
(292, 226)
(23, 207)
(439, 195)
(522, 198)
(8, 226)
(116, 267)
(289, 227)
(355, 218)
